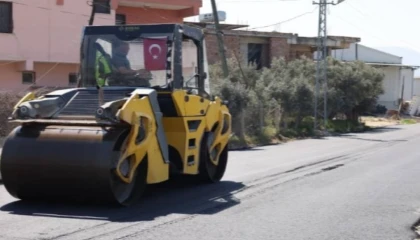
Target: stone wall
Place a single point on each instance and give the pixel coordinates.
(277, 47)
(232, 46)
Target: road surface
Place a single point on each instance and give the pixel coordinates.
(358, 186)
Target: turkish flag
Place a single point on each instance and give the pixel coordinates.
(155, 51)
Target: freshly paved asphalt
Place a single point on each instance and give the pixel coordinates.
(358, 186)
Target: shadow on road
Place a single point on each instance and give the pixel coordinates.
(383, 129)
(363, 135)
(173, 197)
(372, 139)
(246, 149)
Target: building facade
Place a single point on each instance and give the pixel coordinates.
(261, 47)
(399, 78)
(40, 39)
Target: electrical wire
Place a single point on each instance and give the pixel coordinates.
(287, 20)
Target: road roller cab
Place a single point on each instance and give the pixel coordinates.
(141, 112)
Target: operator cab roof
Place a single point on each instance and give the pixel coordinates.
(149, 30)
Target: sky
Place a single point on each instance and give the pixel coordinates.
(379, 23)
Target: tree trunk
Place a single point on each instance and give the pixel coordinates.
(277, 119)
(261, 116)
(298, 120)
(352, 115)
(284, 120)
(241, 133)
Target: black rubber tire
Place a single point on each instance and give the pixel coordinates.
(208, 172)
(137, 188)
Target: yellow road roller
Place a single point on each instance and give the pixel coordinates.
(141, 112)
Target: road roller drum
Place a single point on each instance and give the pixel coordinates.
(65, 162)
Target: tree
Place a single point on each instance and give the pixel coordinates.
(354, 88)
(283, 95)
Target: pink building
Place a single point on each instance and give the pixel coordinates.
(40, 39)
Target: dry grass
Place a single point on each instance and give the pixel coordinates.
(389, 121)
(8, 100)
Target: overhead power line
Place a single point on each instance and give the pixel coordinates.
(284, 21)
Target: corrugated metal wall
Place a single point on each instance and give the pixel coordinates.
(365, 54)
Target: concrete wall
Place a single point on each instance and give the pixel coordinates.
(47, 74)
(46, 32)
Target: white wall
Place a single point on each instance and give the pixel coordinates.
(417, 87)
(408, 75)
(392, 84)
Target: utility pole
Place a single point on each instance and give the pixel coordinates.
(92, 13)
(90, 23)
(220, 39)
(322, 64)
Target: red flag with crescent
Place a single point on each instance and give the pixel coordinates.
(155, 50)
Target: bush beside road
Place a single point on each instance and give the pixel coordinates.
(277, 103)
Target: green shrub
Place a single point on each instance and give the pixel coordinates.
(279, 100)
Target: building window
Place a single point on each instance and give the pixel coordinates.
(258, 55)
(72, 78)
(6, 17)
(120, 19)
(28, 77)
(102, 6)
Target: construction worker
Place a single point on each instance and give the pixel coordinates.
(122, 64)
(102, 67)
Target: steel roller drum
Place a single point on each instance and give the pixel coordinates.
(64, 162)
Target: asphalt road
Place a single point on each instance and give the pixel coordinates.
(358, 186)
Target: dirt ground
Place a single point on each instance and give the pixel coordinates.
(383, 121)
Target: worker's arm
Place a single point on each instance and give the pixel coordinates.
(125, 70)
(123, 66)
(142, 73)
